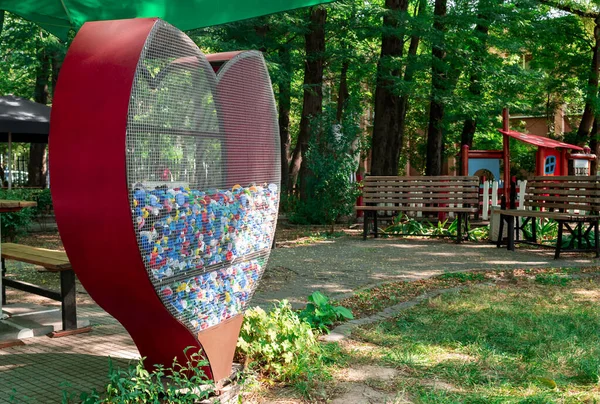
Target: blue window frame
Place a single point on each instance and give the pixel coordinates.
(550, 165)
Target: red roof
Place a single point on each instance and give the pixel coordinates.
(539, 140)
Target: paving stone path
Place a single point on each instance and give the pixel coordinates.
(36, 371)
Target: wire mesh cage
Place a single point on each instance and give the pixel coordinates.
(203, 173)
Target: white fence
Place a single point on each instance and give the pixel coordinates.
(491, 191)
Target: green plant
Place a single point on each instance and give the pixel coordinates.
(546, 229)
(479, 233)
(464, 276)
(321, 314)
(181, 383)
(406, 225)
(15, 224)
(328, 192)
(283, 348)
(553, 279)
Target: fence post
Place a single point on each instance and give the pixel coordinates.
(522, 186)
(486, 200)
(495, 193)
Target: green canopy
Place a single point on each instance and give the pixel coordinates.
(58, 16)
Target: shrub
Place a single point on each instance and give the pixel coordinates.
(321, 314)
(281, 347)
(181, 383)
(15, 224)
(331, 159)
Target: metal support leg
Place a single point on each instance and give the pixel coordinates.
(68, 293)
(366, 224)
(459, 229)
(596, 239)
(3, 285)
(559, 240)
(500, 231)
(511, 233)
(375, 228)
(533, 230)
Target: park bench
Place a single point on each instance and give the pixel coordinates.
(572, 201)
(52, 261)
(456, 194)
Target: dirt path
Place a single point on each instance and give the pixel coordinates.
(342, 265)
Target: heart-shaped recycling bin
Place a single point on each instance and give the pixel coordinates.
(165, 180)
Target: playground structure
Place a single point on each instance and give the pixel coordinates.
(552, 157)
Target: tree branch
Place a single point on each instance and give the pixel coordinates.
(569, 9)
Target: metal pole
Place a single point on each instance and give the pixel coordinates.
(9, 166)
(506, 152)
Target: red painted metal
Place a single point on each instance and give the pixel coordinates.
(506, 154)
(89, 184)
(486, 154)
(539, 141)
(464, 156)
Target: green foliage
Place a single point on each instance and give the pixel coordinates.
(321, 314)
(546, 229)
(464, 276)
(180, 383)
(553, 279)
(15, 224)
(511, 344)
(332, 161)
(282, 347)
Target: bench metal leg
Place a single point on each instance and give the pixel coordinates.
(559, 240)
(533, 230)
(459, 229)
(375, 228)
(3, 284)
(596, 239)
(511, 233)
(500, 231)
(366, 224)
(68, 293)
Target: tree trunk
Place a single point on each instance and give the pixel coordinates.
(592, 91)
(481, 33)
(285, 90)
(312, 105)
(36, 168)
(386, 142)
(342, 92)
(439, 84)
(409, 72)
(594, 145)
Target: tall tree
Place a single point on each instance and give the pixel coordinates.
(480, 39)
(386, 142)
(37, 151)
(439, 86)
(591, 92)
(312, 105)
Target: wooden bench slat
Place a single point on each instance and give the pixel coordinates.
(50, 259)
(421, 200)
(582, 192)
(557, 205)
(418, 208)
(425, 194)
(563, 198)
(424, 183)
(557, 185)
(422, 177)
(550, 215)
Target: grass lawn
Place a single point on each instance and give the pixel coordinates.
(526, 341)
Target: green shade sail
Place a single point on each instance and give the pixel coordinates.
(58, 16)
